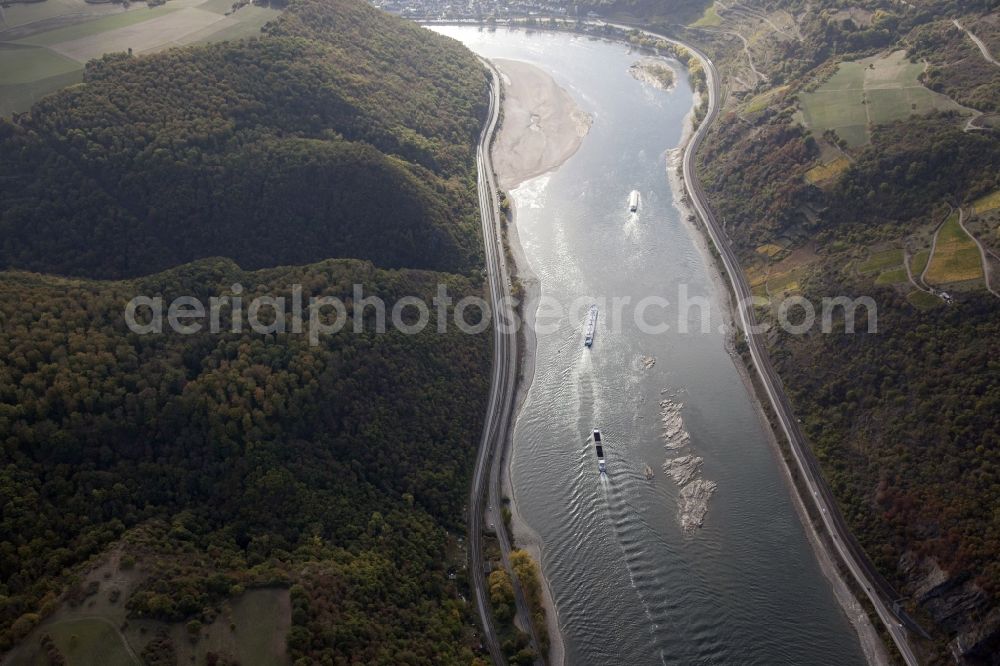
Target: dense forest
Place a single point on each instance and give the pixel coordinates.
(903, 420)
(352, 455)
(337, 149)
(270, 151)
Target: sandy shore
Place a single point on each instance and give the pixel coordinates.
(542, 125)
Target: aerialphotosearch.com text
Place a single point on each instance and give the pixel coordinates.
(319, 316)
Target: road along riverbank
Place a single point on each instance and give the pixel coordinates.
(542, 128)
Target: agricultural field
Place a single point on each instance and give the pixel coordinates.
(919, 262)
(869, 92)
(892, 276)
(54, 11)
(956, 257)
(44, 45)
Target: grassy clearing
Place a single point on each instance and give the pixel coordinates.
(19, 98)
(20, 65)
(769, 249)
(785, 282)
(922, 300)
(90, 641)
(880, 261)
(919, 262)
(869, 92)
(956, 257)
(761, 101)
(987, 203)
(825, 172)
(894, 276)
(252, 629)
(709, 19)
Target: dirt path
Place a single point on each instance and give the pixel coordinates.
(982, 253)
(746, 49)
(982, 46)
(909, 273)
(760, 76)
(930, 257)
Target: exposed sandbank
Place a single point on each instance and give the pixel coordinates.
(542, 125)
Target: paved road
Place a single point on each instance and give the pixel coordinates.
(982, 46)
(496, 428)
(878, 591)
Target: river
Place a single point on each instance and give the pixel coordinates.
(630, 584)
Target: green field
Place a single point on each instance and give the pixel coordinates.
(88, 641)
(870, 92)
(893, 276)
(919, 262)
(923, 300)
(27, 64)
(956, 257)
(880, 261)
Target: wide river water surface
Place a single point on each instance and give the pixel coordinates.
(631, 585)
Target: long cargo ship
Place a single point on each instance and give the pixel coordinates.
(591, 326)
(633, 201)
(601, 466)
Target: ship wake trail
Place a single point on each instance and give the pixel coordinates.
(631, 532)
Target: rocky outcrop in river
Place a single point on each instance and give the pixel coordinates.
(684, 468)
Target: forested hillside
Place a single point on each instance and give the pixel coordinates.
(337, 149)
(838, 173)
(340, 144)
(351, 456)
